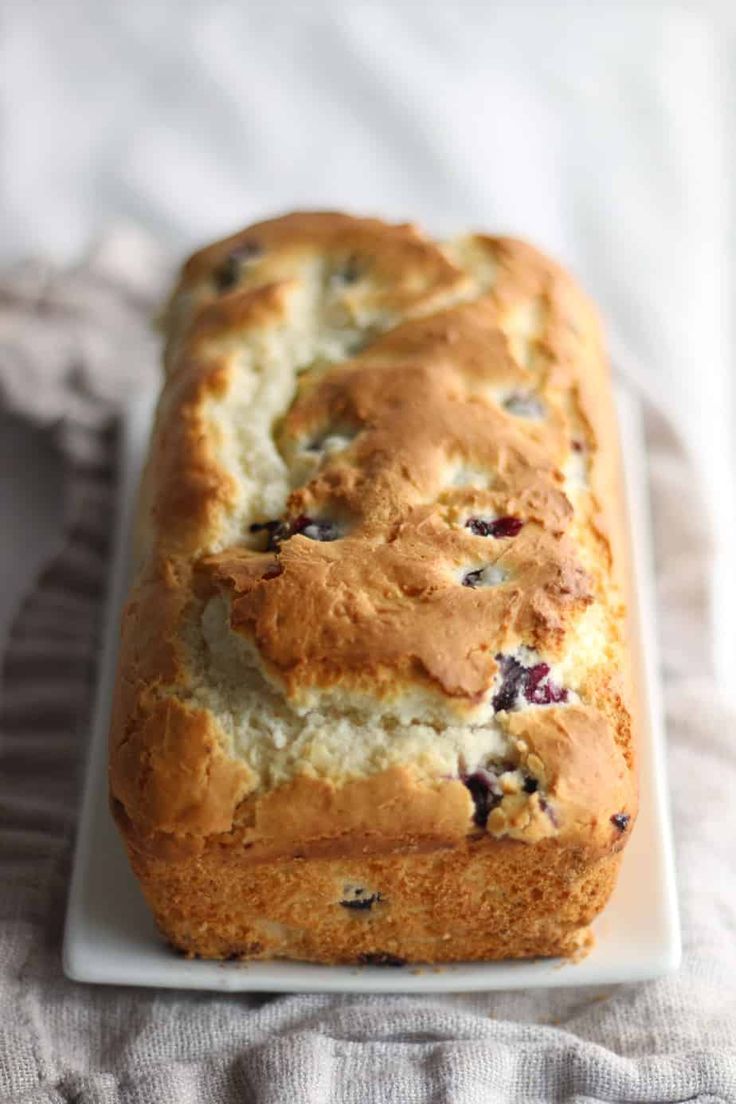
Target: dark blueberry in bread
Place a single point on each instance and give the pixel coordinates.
(496, 527)
(533, 679)
(381, 958)
(532, 682)
(275, 530)
(539, 692)
(347, 273)
(227, 273)
(247, 950)
(620, 821)
(273, 571)
(531, 785)
(180, 951)
(361, 903)
(512, 675)
(489, 576)
(485, 792)
(318, 529)
(549, 810)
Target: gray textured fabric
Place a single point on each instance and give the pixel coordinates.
(71, 346)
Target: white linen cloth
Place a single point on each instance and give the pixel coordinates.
(599, 132)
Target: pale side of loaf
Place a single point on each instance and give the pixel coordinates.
(372, 701)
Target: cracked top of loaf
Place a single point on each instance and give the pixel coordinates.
(381, 560)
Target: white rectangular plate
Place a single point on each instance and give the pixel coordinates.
(111, 938)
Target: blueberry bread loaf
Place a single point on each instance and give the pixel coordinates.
(372, 702)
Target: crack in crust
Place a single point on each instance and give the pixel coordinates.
(381, 607)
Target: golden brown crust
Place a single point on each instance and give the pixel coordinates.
(468, 383)
(383, 604)
(477, 899)
(406, 264)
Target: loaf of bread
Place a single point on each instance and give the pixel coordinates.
(372, 701)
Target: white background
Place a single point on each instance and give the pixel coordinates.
(602, 131)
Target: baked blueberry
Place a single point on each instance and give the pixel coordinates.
(485, 792)
(381, 958)
(620, 821)
(273, 571)
(348, 273)
(227, 273)
(319, 529)
(264, 526)
(512, 675)
(275, 531)
(549, 810)
(494, 527)
(533, 683)
(538, 690)
(361, 902)
(489, 576)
